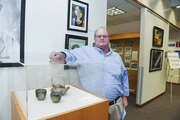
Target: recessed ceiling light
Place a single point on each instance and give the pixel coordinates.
(114, 11)
(176, 7)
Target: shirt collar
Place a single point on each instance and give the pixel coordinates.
(101, 51)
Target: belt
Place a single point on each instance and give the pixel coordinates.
(114, 101)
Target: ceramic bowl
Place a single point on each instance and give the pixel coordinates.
(40, 94)
(56, 97)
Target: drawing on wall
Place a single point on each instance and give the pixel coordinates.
(12, 14)
(158, 34)
(127, 50)
(156, 59)
(77, 16)
(120, 50)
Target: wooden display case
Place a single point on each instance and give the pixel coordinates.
(76, 104)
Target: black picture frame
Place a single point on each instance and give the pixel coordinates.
(17, 20)
(73, 7)
(156, 60)
(158, 35)
(74, 41)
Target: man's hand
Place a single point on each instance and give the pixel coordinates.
(57, 56)
(55, 62)
(125, 102)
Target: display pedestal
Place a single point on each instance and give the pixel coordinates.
(76, 104)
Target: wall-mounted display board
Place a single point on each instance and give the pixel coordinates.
(129, 52)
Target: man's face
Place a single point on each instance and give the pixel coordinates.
(102, 38)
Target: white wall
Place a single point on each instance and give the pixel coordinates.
(153, 83)
(123, 28)
(164, 9)
(45, 29)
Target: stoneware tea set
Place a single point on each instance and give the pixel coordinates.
(56, 91)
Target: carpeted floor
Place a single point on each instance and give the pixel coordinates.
(160, 109)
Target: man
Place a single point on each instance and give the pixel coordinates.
(117, 87)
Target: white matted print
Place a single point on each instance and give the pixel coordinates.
(127, 65)
(128, 50)
(134, 66)
(120, 50)
(127, 58)
(113, 46)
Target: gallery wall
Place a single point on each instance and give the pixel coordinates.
(45, 29)
(151, 84)
(164, 9)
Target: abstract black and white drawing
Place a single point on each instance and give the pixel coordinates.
(12, 15)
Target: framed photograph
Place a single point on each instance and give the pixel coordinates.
(77, 16)
(128, 50)
(127, 58)
(158, 34)
(127, 65)
(156, 60)
(12, 23)
(134, 66)
(73, 41)
(120, 50)
(113, 46)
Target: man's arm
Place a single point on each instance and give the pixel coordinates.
(125, 102)
(57, 56)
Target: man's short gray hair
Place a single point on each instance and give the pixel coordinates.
(98, 29)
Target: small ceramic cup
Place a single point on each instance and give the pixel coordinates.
(56, 97)
(40, 94)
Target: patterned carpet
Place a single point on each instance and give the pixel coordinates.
(160, 109)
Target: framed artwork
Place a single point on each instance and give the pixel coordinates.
(127, 65)
(114, 46)
(134, 66)
(77, 16)
(120, 50)
(158, 34)
(128, 50)
(156, 60)
(127, 58)
(73, 41)
(12, 23)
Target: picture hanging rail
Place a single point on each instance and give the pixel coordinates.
(77, 16)
(12, 26)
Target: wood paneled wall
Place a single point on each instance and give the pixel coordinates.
(120, 42)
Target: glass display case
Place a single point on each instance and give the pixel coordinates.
(83, 86)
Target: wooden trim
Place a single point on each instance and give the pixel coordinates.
(125, 35)
(90, 112)
(16, 111)
(173, 83)
(156, 14)
(142, 105)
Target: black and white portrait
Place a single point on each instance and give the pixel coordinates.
(10, 12)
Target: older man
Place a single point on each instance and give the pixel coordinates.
(117, 87)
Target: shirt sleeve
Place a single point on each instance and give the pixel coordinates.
(124, 80)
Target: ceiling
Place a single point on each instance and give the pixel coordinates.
(131, 8)
(132, 12)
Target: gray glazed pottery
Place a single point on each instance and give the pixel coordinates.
(56, 97)
(40, 94)
(58, 87)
